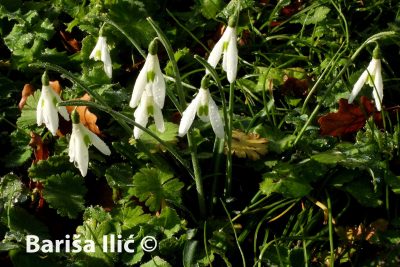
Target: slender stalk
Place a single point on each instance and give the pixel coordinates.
(192, 145)
(228, 177)
(217, 155)
(328, 200)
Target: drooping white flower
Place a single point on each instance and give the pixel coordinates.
(226, 45)
(147, 107)
(207, 111)
(150, 77)
(372, 76)
(101, 52)
(46, 110)
(81, 139)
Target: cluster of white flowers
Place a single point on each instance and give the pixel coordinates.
(47, 112)
(372, 76)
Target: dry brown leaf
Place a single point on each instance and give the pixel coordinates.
(295, 86)
(74, 46)
(250, 144)
(40, 150)
(26, 92)
(88, 119)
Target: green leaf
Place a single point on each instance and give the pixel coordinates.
(95, 231)
(390, 238)
(8, 246)
(394, 182)
(28, 115)
(21, 221)
(296, 257)
(136, 26)
(169, 135)
(18, 157)
(44, 169)
(343, 177)
(9, 184)
(7, 87)
(156, 262)
(363, 192)
(271, 258)
(130, 215)
(65, 193)
(119, 176)
(221, 242)
(285, 179)
(96, 213)
(337, 92)
(172, 244)
(20, 258)
(210, 8)
(62, 145)
(153, 185)
(168, 222)
(277, 141)
(314, 16)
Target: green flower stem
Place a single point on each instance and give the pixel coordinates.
(122, 117)
(192, 145)
(217, 156)
(228, 177)
(111, 22)
(328, 200)
(369, 40)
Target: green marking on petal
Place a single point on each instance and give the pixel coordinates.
(370, 80)
(87, 141)
(200, 111)
(205, 107)
(150, 76)
(42, 102)
(225, 47)
(55, 101)
(150, 110)
(97, 55)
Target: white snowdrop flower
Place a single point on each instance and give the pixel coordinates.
(206, 109)
(46, 110)
(81, 139)
(150, 77)
(372, 76)
(228, 46)
(101, 52)
(147, 107)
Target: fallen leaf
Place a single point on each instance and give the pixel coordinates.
(350, 118)
(176, 118)
(245, 39)
(74, 46)
(56, 87)
(26, 92)
(88, 119)
(40, 150)
(295, 86)
(250, 144)
(292, 9)
(264, 2)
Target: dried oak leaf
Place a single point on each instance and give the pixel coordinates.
(88, 119)
(250, 144)
(295, 86)
(26, 92)
(74, 46)
(39, 148)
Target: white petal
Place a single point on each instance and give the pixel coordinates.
(188, 116)
(139, 86)
(232, 58)
(50, 112)
(357, 86)
(141, 117)
(62, 110)
(81, 154)
(379, 87)
(98, 143)
(105, 57)
(215, 118)
(96, 48)
(71, 148)
(216, 53)
(39, 111)
(159, 85)
(158, 118)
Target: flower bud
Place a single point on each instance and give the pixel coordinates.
(377, 54)
(205, 82)
(45, 78)
(153, 47)
(75, 116)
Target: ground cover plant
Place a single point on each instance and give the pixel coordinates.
(241, 133)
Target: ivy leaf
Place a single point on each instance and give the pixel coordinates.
(168, 222)
(21, 221)
(169, 135)
(284, 179)
(153, 185)
(65, 193)
(95, 231)
(28, 115)
(156, 262)
(44, 169)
